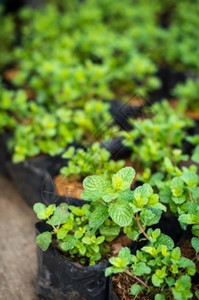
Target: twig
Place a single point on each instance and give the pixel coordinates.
(136, 278)
(140, 227)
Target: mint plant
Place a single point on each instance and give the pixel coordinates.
(152, 139)
(44, 132)
(7, 35)
(188, 94)
(14, 108)
(72, 231)
(95, 122)
(182, 48)
(158, 269)
(170, 167)
(195, 152)
(182, 193)
(93, 160)
(133, 210)
(83, 64)
(113, 209)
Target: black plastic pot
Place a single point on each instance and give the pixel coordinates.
(61, 279)
(117, 149)
(4, 154)
(122, 111)
(169, 79)
(33, 178)
(170, 226)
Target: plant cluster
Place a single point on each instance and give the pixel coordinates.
(7, 36)
(38, 131)
(157, 269)
(188, 94)
(73, 67)
(158, 136)
(14, 109)
(93, 160)
(113, 208)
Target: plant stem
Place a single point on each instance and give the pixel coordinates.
(190, 197)
(136, 278)
(141, 228)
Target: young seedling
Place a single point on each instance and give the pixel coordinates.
(155, 138)
(158, 268)
(113, 209)
(93, 160)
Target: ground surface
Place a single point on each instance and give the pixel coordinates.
(18, 264)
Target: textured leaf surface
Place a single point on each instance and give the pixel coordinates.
(98, 216)
(135, 289)
(43, 240)
(40, 210)
(195, 243)
(121, 213)
(122, 179)
(69, 243)
(60, 215)
(94, 183)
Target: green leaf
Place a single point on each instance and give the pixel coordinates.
(100, 240)
(123, 179)
(142, 194)
(179, 200)
(164, 239)
(50, 210)
(40, 210)
(62, 233)
(110, 196)
(156, 280)
(44, 239)
(60, 215)
(195, 193)
(98, 216)
(95, 183)
(125, 253)
(197, 294)
(124, 258)
(177, 187)
(182, 289)
(195, 243)
(150, 216)
(195, 156)
(112, 230)
(188, 264)
(161, 273)
(69, 153)
(176, 253)
(141, 268)
(165, 195)
(188, 219)
(121, 213)
(195, 230)
(159, 297)
(135, 289)
(190, 178)
(95, 248)
(87, 240)
(170, 281)
(113, 270)
(68, 243)
(78, 211)
(91, 196)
